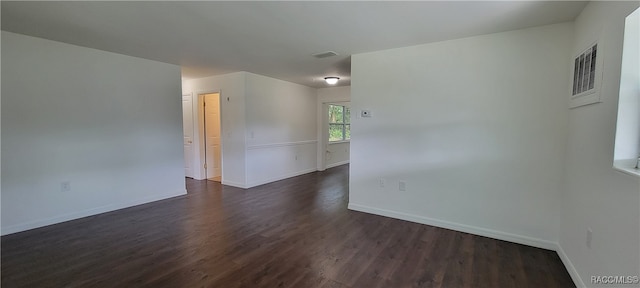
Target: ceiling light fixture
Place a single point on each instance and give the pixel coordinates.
(331, 80)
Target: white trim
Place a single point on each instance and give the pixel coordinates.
(89, 212)
(283, 144)
(323, 135)
(520, 239)
(337, 164)
(591, 98)
(339, 142)
(234, 184)
(199, 127)
(570, 268)
(278, 178)
(193, 132)
(627, 166)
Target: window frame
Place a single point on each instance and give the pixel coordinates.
(343, 124)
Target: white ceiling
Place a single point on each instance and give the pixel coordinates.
(275, 39)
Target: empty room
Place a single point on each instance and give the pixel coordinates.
(320, 144)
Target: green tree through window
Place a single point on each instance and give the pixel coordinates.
(339, 123)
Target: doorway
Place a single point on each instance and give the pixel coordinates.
(212, 136)
(335, 134)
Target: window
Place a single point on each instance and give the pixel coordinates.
(339, 123)
(627, 145)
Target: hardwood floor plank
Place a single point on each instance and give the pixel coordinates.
(291, 233)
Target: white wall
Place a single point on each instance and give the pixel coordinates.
(232, 122)
(337, 154)
(268, 127)
(281, 129)
(109, 124)
(595, 195)
(330, 155)
(474, 126)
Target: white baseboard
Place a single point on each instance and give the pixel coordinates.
(81, 214)
(525, 240)
(337, 164)
(519, 239)
(262, 182)
(274, 179)
(234, 184)
(570, 268)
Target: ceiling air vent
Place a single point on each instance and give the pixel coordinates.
(325, 54)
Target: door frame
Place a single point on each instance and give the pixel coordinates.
(201, 155)
(193, 136)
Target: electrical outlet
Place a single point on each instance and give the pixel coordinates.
(402, 186)
(589, 237)
(381, 183)
(65, 186)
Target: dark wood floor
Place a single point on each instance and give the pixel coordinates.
(292, 233)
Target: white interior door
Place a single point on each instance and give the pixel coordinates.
(187, 130)
(212, 132)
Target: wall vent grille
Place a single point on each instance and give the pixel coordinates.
(325, 54)
(584, 71)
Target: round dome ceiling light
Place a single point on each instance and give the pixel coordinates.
(331, 80)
